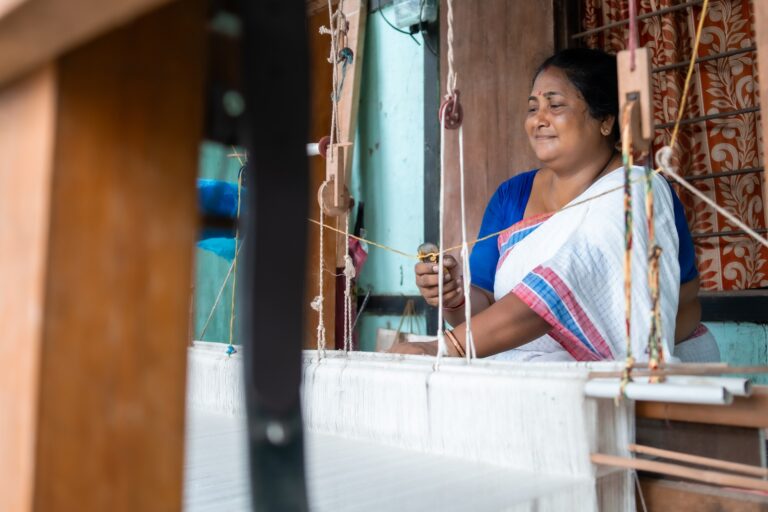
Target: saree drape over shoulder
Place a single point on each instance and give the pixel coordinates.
(568, 267)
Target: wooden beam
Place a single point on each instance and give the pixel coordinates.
(356, 12)
(673, 496)
(761, 37)
(744, 412)
(27, 112)
(35, 32)
(96, 347)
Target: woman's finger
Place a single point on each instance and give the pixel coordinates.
(430, 280)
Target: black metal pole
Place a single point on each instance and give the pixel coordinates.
(276, 93)
(431, 147)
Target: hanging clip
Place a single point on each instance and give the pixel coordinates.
(451, 113)
(635, 86)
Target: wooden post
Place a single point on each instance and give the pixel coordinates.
(27, 111)
(97, 224)
(761, 37)
(356, 12)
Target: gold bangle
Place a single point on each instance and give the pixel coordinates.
(455, 343)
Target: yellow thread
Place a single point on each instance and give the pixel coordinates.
(681, 108)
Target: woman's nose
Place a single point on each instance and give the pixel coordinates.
(542, 117)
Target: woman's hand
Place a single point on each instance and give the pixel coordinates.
(421, 348)
(427, 281)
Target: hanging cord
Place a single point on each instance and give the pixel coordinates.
(337, 30)
(655, 353)
(317, 302)
(349, 274)
(451, 78)
(626, 157)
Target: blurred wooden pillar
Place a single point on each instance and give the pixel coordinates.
(97, 225)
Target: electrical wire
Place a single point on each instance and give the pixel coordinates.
(381, 12)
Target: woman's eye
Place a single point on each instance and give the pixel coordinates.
(555, 106)
(531, 109)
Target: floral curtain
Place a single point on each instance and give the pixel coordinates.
(730, 262)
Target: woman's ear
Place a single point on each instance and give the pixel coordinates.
(606, 126)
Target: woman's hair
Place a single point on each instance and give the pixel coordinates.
(593, 73)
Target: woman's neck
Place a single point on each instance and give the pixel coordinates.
(566, 184)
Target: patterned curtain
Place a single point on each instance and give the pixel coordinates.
(731, 262)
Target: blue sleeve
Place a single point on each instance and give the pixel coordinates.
(687, 255)
(485, 254)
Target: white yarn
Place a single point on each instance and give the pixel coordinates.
(521, 416)
(215, 379)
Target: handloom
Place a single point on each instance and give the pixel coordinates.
(550, 420)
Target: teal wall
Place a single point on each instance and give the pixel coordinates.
(388, 169)
(742, 344)
(211, 269)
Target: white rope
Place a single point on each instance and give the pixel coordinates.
(450, 82)
(663, 160)
(470, 342)
(317, 302)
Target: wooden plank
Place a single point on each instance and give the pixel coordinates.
(35, 32)
(122, 229)
(761, 38)
(674, 496)
(27, 112)
(320, 124)
(724, 442)
(744, 412)
(495, 58)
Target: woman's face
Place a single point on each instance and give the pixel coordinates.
(560, 128)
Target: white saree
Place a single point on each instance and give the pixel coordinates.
(569, 268)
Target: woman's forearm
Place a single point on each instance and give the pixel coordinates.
(481, 300)
(504, 325)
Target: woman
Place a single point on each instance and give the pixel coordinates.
(550, 287)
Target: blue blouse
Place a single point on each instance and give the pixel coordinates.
(507, 207)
